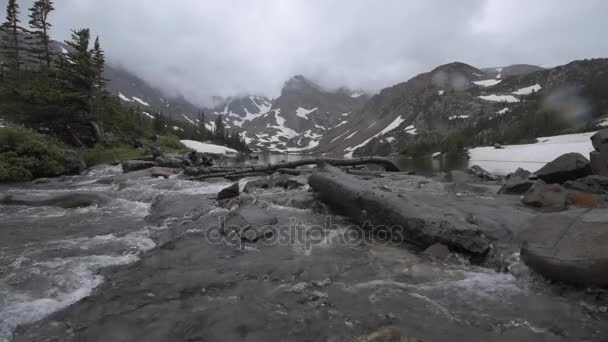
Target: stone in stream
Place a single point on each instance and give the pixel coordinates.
(517, 183)
(282, 181)
(479, 172)
(69, 200)
(249, 224)
(156, 171)
(546, 196)
(569, 247)
(170, 161)
(569, 166)
(396, 214)
(136, 165)
(229, 192)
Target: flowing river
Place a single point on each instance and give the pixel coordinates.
(149, 273)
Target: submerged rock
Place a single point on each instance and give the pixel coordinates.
(569, 248)
(136, 165)
(569, 166)
(249, 224)
(546, 196)
(69, 200)
(395, 214)
(517, 183)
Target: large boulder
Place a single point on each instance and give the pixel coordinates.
(69, 200)
(479, 172)
(249, 224)
(551, 197)
(599, 138)
(131, 165)
(273, 181)
(569, 247)
(594, 184)
(229, 192)
(569, 166)
(394, 215)
(517, 183)
(599, 161)
(170, 161)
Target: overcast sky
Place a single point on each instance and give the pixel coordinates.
(225, 47)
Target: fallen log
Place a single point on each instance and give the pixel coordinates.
(395, 214)
(270, 168)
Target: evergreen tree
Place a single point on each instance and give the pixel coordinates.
(99, 61)
(10, 44)
(220, 130)
(79, 75)
(40, 27)
(202, 130)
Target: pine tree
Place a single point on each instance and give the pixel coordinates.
(10, 44)
(78, 73)
(202, 130)
(99, 62)
(40, 27)
(220, 131)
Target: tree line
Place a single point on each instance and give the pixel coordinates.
(60, 89)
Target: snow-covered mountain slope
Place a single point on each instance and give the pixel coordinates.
(458, 99)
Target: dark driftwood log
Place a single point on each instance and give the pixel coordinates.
(404, 220)
(386, 163)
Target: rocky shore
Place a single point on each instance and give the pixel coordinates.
(335, 253)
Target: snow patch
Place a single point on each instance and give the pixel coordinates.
(487, 83)
(441, 92)
(303, 112)
(530, 156)
(398, 121)
(208, 148)
(499, 98)
(350, 136)
(502, 111)
(64, 51)
(148, 115)
(357, 94)
(124, 98)
(390, 139)
(456, 117)
(142, 102)
(603, 123)
(411, 130)
(188, 119)
(528, 90)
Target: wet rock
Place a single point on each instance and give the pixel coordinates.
(384, 334)
(69, 200)
(282, 181)
(246, 199)
(599, 162)
(249, 224)
(229, 192)
(437, 251)
(600, 138)
(479, 172)
(569, 166)
(151, 172)
(593, 184)
(517, 183)
(498, 146)
(179, 205)
(568, 248)
(136, 165)
(405, 219)
(546, 196)
(168, 161)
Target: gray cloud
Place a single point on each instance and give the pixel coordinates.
(204, 48)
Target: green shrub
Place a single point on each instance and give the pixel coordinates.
(25, 154)
(107, 155)
(170, 143)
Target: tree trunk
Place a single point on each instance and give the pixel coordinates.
(99, 137)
